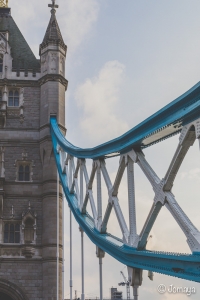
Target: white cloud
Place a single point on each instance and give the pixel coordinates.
(191, 174)
(98, 97)
(75, 18)
(78, 18)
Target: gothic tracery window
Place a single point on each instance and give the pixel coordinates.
(24, 168)
(13, 98)
(24, 172)
(12, 233)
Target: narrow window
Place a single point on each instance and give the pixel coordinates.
(24, 173)
(21, 173)
(12, 233)
(6, 233)
(16, 98)
(1, 63)
(10, 98)
(27, 173)
(13, 98)
(17, 233)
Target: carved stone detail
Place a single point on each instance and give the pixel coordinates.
(29, 215)
(11, 252)
(28, 251)
(53, 77)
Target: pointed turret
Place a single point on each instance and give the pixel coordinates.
(53, 34)
(52, 57)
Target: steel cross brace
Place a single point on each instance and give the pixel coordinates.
(174, 264)
(163, 194)
(113, 202)
(162, 189)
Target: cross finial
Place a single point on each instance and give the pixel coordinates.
(3, 3)
(53, 5)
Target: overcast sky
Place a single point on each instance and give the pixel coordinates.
(126, 60)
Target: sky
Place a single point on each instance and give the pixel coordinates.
(125, 60)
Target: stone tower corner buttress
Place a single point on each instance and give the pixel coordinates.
(53, 83)
(53, 86)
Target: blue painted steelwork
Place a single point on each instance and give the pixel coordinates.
(178, 113)
(186, 266)
(164, 123)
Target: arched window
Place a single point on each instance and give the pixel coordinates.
(12, 233)
(24, 173)
(29, 231)
(13, 99)
(1, 63)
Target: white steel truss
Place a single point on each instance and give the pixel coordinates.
(77, 177)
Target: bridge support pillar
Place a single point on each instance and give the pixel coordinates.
(82, 265)
(100, 254)
(135, 279)
(101, 277)
(70, 281)
(135, 292)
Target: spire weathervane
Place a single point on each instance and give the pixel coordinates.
(4, 3)
(53, 5)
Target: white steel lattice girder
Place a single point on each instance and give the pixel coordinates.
(99, 197)
(162, 189)
(115, 202)
(89, 192)
(131, 201)
(179, 155)
(163, 192)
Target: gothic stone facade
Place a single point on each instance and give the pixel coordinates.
(30, 91)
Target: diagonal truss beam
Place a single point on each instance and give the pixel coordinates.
(147, 170)
(163, 195)
(162, 189)
(155, 209)
(177, 160)
(113, 201)
(120, 172)
(89, 192)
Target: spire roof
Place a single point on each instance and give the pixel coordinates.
(23, 57)
(53, 33)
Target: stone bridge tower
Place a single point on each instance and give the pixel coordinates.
(30, 195)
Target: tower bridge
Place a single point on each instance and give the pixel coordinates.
(39, 166)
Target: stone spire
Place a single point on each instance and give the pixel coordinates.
(53, 34)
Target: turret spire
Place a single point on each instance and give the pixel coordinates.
(53, 35)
